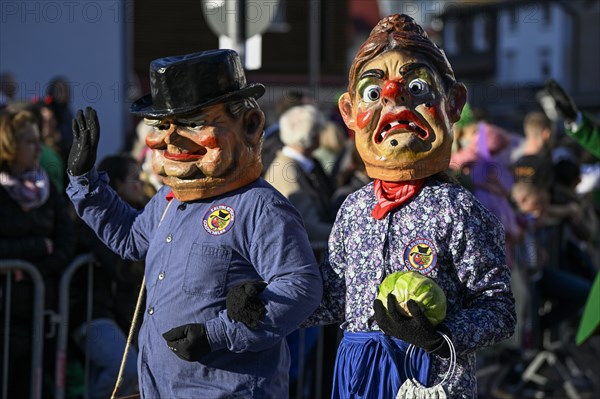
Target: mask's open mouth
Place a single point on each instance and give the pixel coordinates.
(402, 122)
(185, 156)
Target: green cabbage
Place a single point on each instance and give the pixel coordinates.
(407, 285)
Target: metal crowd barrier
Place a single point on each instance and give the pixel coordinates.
(9, 265)
(62, 319)
(63, 329)
(320, 250)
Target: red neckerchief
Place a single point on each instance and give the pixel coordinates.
(170, 196)
(391, 195)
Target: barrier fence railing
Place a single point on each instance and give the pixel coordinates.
(8, 267)
(62, 320)
(63, 329)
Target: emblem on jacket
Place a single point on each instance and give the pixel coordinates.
(420, 255)
(218, 220)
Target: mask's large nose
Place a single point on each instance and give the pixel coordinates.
(391, 90)
(155, 139)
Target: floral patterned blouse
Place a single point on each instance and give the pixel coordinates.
(444, 233)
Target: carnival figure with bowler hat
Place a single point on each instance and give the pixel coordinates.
(229, 268)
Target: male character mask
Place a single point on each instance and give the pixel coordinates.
(209, 153)
(207, 124)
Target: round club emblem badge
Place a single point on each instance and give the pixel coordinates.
(218, 220)
(420, 255)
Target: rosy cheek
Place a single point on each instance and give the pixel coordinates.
(363, 118)
(433, 111)
(208, 141)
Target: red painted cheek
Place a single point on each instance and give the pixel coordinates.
(433, 111)
(363, 118)
(208, 141)
(390, 89)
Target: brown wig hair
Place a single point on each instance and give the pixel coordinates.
(399, 32)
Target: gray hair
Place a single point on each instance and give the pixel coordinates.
(237, 107)
(301, 125)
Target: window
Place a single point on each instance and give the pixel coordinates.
(450, 42)
(481, 41)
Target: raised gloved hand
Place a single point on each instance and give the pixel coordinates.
(188, 341)
(86, 134)
(243, 303)
(415, 329)
(565, 106)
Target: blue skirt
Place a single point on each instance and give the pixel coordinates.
(370, 365)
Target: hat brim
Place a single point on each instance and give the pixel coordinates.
(145, 108)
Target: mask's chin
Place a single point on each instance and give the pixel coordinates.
(205, 187)
(410, 169)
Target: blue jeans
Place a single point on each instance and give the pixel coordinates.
(103, 342)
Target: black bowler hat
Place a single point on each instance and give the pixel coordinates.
(184, 84)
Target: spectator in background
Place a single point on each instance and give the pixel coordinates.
(116, 286)
(8, 88)
(332, 140)
(58, 97)
(300, 177)
(142, 153)
(35, 227)
(272, 142)
(351, 176)
(581, 221)
(580, 126)
(535, 163)
(51, 159)
(480, 161)
(558, 281)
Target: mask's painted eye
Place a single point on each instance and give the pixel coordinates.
(418, 87)
(164, 126)
(372, 93)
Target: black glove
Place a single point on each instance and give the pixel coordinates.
(189, 341)
(243, 303)
(86, 134)
(415, 329)
(565, 106)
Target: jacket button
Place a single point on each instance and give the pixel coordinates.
(150, 310)
(161, 275)
(169, 238)
(182, 207)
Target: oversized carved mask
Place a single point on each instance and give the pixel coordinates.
(401, 103)
(208, 153)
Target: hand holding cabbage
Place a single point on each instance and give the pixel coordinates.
(415, 314)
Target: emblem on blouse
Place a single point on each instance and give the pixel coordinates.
(218, 220)
(420, 255)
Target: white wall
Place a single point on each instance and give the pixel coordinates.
(527, 39)
(82, 40)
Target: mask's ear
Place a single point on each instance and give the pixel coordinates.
(254, 122)
(345, 106)
(457, 97)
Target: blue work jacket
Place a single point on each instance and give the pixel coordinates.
(200, 250)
